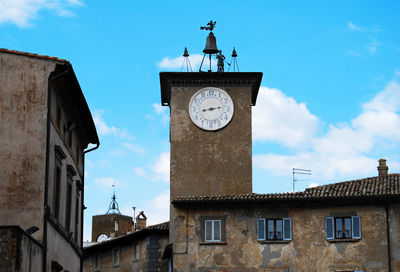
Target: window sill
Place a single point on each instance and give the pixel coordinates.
(343, 240)
(212, 243)
(274, 241)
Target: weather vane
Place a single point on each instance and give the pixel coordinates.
(210, 26)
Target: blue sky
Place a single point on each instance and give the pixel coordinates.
(329, 101)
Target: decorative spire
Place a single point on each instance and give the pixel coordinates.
(234, 64)
(113, 208)
(186, 62)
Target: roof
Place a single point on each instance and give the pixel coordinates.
(387, 187)
(207, 79)
(153, 229)
(3, 50)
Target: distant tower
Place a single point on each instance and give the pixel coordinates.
(113, 223)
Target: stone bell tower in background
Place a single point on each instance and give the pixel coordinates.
(210, 127)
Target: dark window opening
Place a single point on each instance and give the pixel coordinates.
(57, 185)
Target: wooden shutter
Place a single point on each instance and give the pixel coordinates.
(261, 229)
(287, 229)
(217, 230)
(208, 230)
(356, 227)
(330, 228)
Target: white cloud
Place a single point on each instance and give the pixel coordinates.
(158, 171)
(161, 111)
(279, 118)
(134, 148)
(21, 12)
(103, 129)
(346, 149)
(157, 209)
(372, 47)
(312, 184)
(161, 167)
(353, 27)
(195, 61)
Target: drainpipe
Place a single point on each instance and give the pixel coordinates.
(388, 237)
(83, 194)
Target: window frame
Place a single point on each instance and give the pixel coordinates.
(97, 262)
(263, 225)
(116, 258)
(213, 232)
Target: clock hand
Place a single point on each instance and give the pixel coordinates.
(211, 109)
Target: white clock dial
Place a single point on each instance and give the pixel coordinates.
(211, 108)
(102, 237)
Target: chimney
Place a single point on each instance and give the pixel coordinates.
(141, 221)
(116, 225)
(382, 168)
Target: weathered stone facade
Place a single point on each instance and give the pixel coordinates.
(19, 252)
(309, 249)
(139, 251)
(45, 126)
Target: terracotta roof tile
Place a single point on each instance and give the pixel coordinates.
(374, 187)
(3, 50)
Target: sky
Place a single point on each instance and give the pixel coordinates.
(329, 99)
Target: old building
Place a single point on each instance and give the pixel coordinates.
(45, 130)
(218, 225)
(141, 250)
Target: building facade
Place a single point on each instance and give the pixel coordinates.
(45, 130)
(218, 225)
(140, 251)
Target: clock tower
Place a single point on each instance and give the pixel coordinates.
(210, 127)
(210, 131)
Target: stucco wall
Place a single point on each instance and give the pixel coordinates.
(308, 251)
(220, 160)
(151, 249)
(61, 251)
(23, 113)
(18, 251)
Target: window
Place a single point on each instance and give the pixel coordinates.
(57, 185)
(58, 116)
(97, 262)
(76, 214)
(59, 157)
(212, 230)
(136, 251)
(69, 201)
(115, 258)
(274, 229)
(343, 227)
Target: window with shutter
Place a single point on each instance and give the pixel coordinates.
(261, 229)
(356, 223)
(274, 229)
(287, 229)
(343, 227)
(329, 228)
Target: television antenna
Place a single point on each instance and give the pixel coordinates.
(299, 171)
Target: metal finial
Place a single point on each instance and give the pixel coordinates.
(210, 26)
(186, 61)
(185, 52)
(113, 208)
(234, 54)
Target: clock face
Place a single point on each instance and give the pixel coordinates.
(102, 237)
(211, 108)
